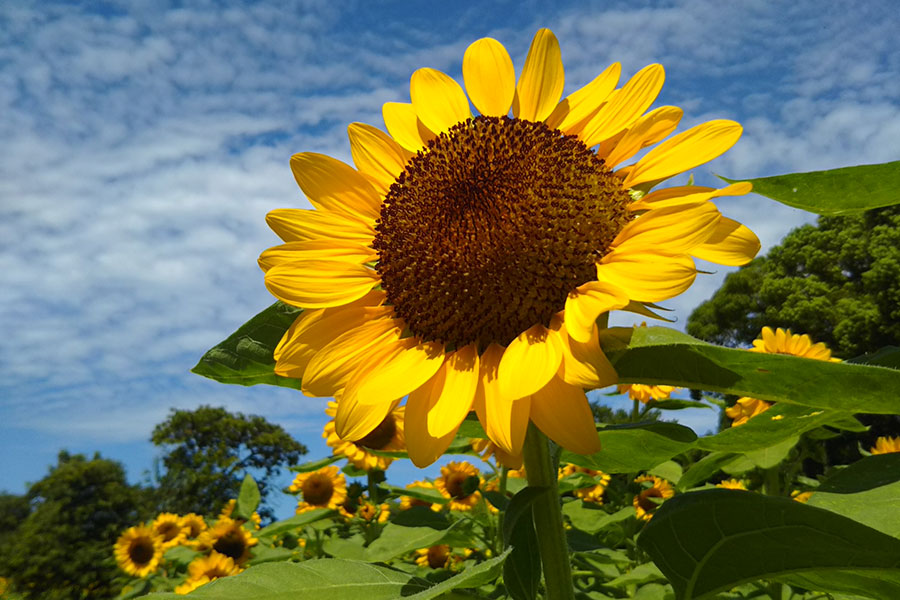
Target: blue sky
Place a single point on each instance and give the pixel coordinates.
(145, 141)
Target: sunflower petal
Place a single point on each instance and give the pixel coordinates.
(570, 114)
(504, 420)
(646, 131)
(404, 126)
(301, 224)
(376, 155)
(339, 250)
(731, 244)
(394, 370)
(688, 194)
(319, 283)
(624, 106)
(332, 185)
(529, 362)
(354, 421)
(647, 276)
(454, 399)
(584, 363)
(424, 448)
(439, 101)
(541, 83)
(685, 151)
(673, 230)
(489, 76)
(562, 412)
(588, 302)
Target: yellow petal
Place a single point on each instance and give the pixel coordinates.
(489, 76)
(424, 448)
(672, 230)
(394, 370)
(300, 224)
(646, 131)
(320, 283)
(688, 194)
(625, 105)
(685, 151)
(354, 421)
(404, 126)
(454, 399)
(570, 115)
(584, 364)
(504, 420)
(439, 101)
(731, 244)
(562, 412)
(376, 155)
(587, 303)
(316, 250)
(529, 362)
(541, 83)
(332, 185)
(647, 276)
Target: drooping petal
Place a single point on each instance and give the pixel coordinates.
(320, 283)
(731, 244)
(646, 131)
(529, 362)
(439, 101)
(339, 250)
(354, 421)
(570, 115)
(685, 151)
(588, 302)
(624, 106)
(404, 126)
(300, 224)
(332, 185)
(504, 420)
(394, 370)
(489, 76)
(584, 363)
(688, 194)
(424, 448)
(376, 155)
(647, 276)
(672, 230)
(454, 399)
(562, 412)
(541, 83)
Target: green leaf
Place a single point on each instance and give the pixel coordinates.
(267, 554)
(352, 548)
(247, 500)
(704, 469)
(398, 539)
(293, 524)
(658, 355)
(670, 471)
(419, 493)
(677, 404)
(421, 516)
(315, 465)
(471, 577)
(889, 356)
(635, 447)
(181, 555)
(709, 541)
(835, 192)
(522, 569)
(246, 356)
(641, 574)
(592, 518)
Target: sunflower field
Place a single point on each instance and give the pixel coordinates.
(451, 293)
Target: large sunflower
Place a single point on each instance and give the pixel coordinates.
(387, 436)
(465, 260)
(139, 550)
(323, 488)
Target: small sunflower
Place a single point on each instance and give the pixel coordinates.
(193, 525)
(487, 448)
(387, 436)
(407, 502)
(593, 493)
(801, 496)
(643, 505)
(324, 488)
(886, 445)
(451, 484)
(646, 393)
(436, 557)
(169, 527)
(745, 409)
(214, 566)
(369, 512)
(139, 550)
(229, 538)
(732, 484)
(465, 260)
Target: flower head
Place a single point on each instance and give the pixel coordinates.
(648, 499)
(229, 538)
(592, 493)
(435, 557)
(170, 529)
(886, 445)
(139, 550)
(387, 436)
(745, 409)
(731, 484)
(454, 483)
(465, 259)
(645, 393)
(324, 488)
(193, 525)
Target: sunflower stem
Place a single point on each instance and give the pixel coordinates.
(547, 514)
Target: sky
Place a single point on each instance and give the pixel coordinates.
(145, 141)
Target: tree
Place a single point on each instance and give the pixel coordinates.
(62, 548)
(209, 450)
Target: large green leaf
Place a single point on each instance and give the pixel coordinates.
(591, 517)
(245, 357)
(293, 524)
(710, 541)
(635, 447)
(658, 355)
(480, 574)
(835, 192)
(398, 539)
(522, 569)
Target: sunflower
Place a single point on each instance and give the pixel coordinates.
(731, 484)
(169, 527)
(369, 512)
(192, 525)
(487, 448)
(324, 488)
(644, 506)
(190, 585)
(387, 436)
(139, 550)
(779, 341)
(407, 502)
(452, 483)
(886, 445)
(645, 393)
(465, 260)
(801, 496)
(228, 537)
(592, 493)
(436, 557)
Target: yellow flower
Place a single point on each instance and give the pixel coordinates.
(643, 505)
(229, 508)
(407, 502)
(368, 511)
(746, 408)
(517, 473)
(190, 585)
(324, 488)
(593, 493)
(465, 260)
(139, 550)
(387, 436)
(487, 448)
(646, 393)
(193, 525)
(228, 537)
(731, 484)
(435, 557)
(886, 445)
(169, 527)
(801, 496)
(451, 485)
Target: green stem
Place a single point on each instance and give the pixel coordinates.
(636, 411)
(771, 481)
(373, 487)
(547, 514)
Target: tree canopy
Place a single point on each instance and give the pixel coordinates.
(208, 451)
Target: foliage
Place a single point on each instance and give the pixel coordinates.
(209, 451)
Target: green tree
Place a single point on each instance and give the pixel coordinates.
(208, 451)
(63, 548)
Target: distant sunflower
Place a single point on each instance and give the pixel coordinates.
(229, 538)
(369, 512)
(387, 437)
(645, 393)
(660, 489)
(229, 508)
(324, 488)
(435, 557)
(192, 525)
(745, 409)
(190, 585)
(169, 527)
(139, 550)
(487, 448)
(452, 482)
(465, 260)
(801, 496)
(592, 493)
(731, 484)
(886, 445)
(407, 502)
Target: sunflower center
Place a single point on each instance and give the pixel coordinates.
(231, 544)
(455, 485)
(168, 530)
(437, 556)
(644, 499)
(381, 436)
(141, 551)
(318, 490)
(486, 232)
